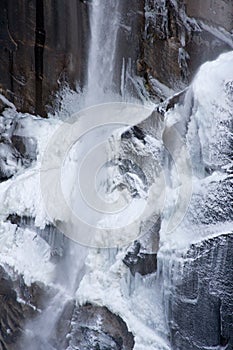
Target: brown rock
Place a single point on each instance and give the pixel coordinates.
(95, 327)
(179, 38)
(42, 44)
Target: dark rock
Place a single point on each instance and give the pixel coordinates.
(49, 233)
(62, 328)
(14, 313)
(45, 44)
(180, 36)
(58, 337)
(132, 23)
(200, 303)
(42, 45)
(134, 131)
(95, 327)
(26, 146)
(139, 262)
(16, 151)
(141, 257)
(9, 161)
(218, 12)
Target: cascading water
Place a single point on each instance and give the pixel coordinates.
(110, 75)
(140, 162)
(101, 88)
(104, 19)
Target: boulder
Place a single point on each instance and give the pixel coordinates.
(95, 327)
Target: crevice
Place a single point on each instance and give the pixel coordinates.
(39, 56)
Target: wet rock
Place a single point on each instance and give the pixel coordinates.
(62, 328)
(18, 304)
(16, 151)
(217, 12)
(95, 327)
(132, 23)
(200, 303)
(141, 256)
(58, 337)
(180, 36)
(139, 262)
(134, 131)
(26, 146)
(9, 161)
(49, 233)
(42, 45)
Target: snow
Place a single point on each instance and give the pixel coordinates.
(208, 126)
(26, 253)
(107, 282)
(102, 285)
(21, 249)
(21, 194)
(7, 102)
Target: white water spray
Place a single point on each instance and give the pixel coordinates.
(104, 25)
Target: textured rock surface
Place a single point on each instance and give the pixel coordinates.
(42, 44)
(142, 263)
(16, 151)
(197, 280)
(95, 327)
(141, 257)
(180, 36)
(130, 43)
(18, 304)
(200, 298)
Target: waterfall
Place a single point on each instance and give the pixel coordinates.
(144, 164)
(102, 86)
(104, 26)
(112, 57)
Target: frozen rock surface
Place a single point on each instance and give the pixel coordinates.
(179, 37)
(95, 327)
(17, 151)
(198, 295)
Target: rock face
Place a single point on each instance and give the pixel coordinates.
(197, 277)
(141, 257)
(179, 36)
(42, 45)
(15, 313)
(130, 44)
(16, 151)
(200, 301)
(84, 328)
(142, 263)
(97, 328)
(45, 43)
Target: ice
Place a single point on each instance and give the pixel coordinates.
(22, 249)
(107, 282)
(208, 126)
(7, 102)
(203, 123)
(103, 285)
(25, 253)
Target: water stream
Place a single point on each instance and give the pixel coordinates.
(104, 25)
(101, 87)
(98, 276)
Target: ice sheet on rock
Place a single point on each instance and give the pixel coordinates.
(204, 121)
(207, 110)
(26, 253)
(104, 284)
(21, 194)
